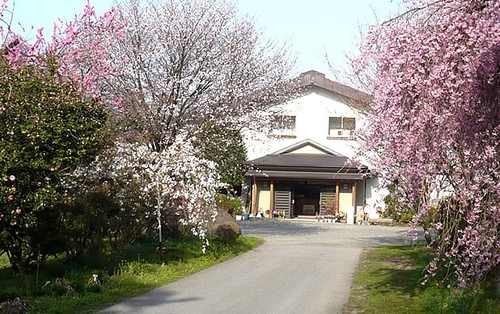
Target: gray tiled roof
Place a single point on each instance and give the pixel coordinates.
(305, 166)
(295, 161)
(305, 175)
(288, 164)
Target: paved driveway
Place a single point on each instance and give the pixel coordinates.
(303, 267)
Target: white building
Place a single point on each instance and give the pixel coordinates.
(302, 167)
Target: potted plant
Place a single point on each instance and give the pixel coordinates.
(231, 204)
(343, 217)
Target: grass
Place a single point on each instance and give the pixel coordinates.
(70, 288)
(388, 280)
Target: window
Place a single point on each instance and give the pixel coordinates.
(349, 124)
(341, 126)
(284, 126)
(334, 124)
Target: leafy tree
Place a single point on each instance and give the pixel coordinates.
(434, 131)
(46, 129)
(225, 147)
(187, 63)
(51, 120)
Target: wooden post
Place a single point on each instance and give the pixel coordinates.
(271, 198)
(254, 197)
(354, 194)
(354, 198)
(337, 196)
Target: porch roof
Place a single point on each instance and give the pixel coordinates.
(304, 175)
(300, 160)
(305, 166)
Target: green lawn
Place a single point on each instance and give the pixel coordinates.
(69, 287)
(388, 280)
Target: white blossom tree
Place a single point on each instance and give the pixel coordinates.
(173, 180)
(180, 67)
(185, 63)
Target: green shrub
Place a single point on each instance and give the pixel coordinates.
(10, 293)
(93, 288)
(47, 128)
(230, 204)
(236, 205)
(406, 217)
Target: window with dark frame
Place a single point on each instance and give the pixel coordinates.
(286, 123)
(284, 126)
(341, 126)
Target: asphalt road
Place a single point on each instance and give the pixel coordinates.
(303, 267)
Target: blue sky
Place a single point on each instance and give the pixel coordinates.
(311, 27)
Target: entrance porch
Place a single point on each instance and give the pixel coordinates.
(305, 179)
(304, 199)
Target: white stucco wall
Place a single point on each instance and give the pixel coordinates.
(312, 112)
(374, 196)
(264, 198)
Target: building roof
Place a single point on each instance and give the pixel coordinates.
(285, 164)
(355, 98)
(305, 175)
(295, 161)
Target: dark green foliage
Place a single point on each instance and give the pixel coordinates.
(46, 129)
(223, 145)
(84, 225)
(94, 223)
(128, 218)
(230, 204)
(10, 293)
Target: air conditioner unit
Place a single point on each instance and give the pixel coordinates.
(340, 133)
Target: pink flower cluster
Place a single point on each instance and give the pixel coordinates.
(78, 49)
(434, 131)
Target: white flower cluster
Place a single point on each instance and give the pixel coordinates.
(173, 181)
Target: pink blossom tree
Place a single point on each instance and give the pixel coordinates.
(76, 52)
(434, 134)
(51, 120)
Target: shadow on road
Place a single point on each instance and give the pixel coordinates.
(327, 233)
(151, 300)
(264, 228)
